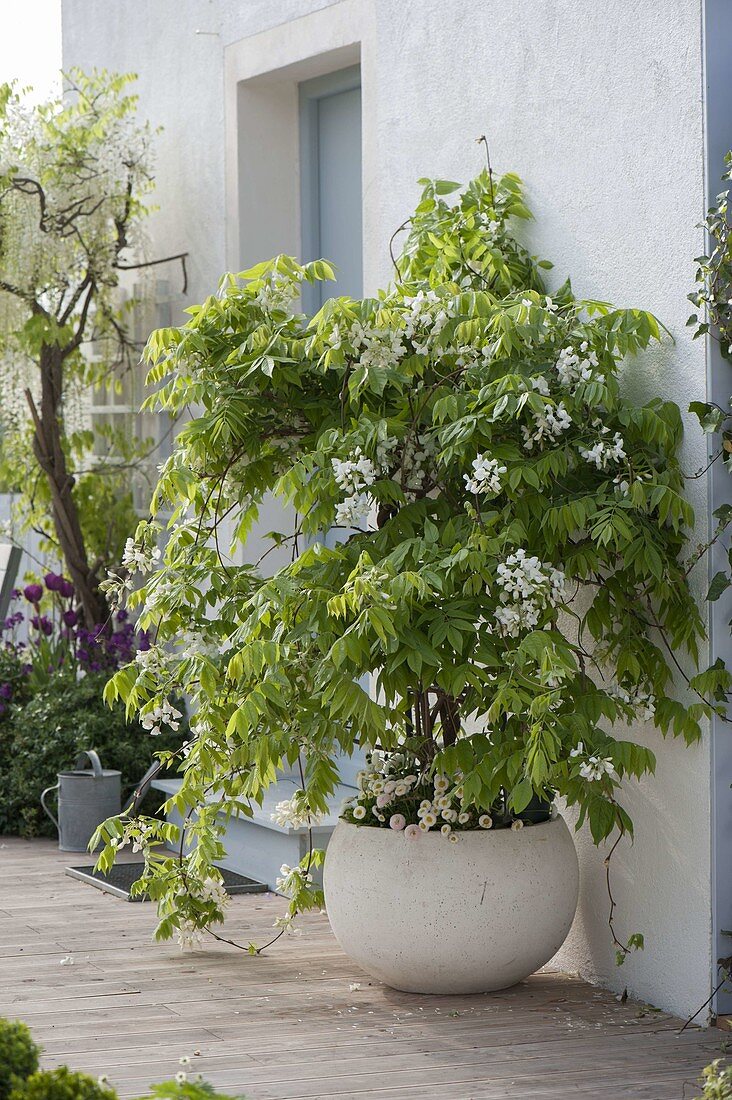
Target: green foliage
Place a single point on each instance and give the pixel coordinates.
(717, 1081)
(44, 735)
(505, 532)
(185, 1090)
(712, 296)
(12, 672)
(62, 1084)
(18, 1055)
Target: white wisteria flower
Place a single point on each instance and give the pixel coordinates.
(355, 473)
(574, 367)
(190, 936)
(140, 558)
(160, 714)
(540, 384)
(643, 702)
(595, 769)
(601, 454)
(377, 348)
(152, 660)
(486, 476)
(294, 813)
(549, 425)
(352, 511)
(528, 586)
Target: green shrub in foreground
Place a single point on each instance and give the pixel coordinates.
(185, 1090)
(20, 1078)
(18, 1055)
(62, 1084)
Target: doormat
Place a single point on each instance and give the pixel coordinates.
(119, 879)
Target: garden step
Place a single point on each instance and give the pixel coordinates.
(257, 846)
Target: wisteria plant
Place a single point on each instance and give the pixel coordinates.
(75, 174)
(502, 582)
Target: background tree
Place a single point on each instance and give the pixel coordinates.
(73, 176)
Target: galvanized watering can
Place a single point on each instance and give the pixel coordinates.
(85, 799)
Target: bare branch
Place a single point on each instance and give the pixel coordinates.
(154, 263)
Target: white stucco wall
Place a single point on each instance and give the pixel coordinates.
(599, 108)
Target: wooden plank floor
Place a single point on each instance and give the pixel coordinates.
(289, 1025)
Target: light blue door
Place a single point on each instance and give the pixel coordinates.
(330, 174)
(331, 200)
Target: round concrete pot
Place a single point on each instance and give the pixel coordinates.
(428, 916)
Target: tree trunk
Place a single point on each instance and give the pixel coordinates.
(50, 456)
(449, 719)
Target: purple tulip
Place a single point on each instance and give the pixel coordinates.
(65, 589)
(70, 618)
(33, 593)
(52, 581)
(43, 623)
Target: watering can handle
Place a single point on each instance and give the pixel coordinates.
(93, 759)
(45, 807)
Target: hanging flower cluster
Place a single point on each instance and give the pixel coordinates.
(486, 476)
(642, 702)
(160, 714)
(574, 367)
(602, 454)
(549, 425)
(294, 813)
(528, 587)
(591, 767)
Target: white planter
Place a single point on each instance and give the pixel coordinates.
(428, 916)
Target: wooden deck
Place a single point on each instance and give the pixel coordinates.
(288, 1025)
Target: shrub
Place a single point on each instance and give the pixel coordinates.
(717, 1082)
(62, 1084)
(506, 522)
(18, 1055)
(185, 1090)
(44, 736)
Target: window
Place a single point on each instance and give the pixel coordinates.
(115, 407)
